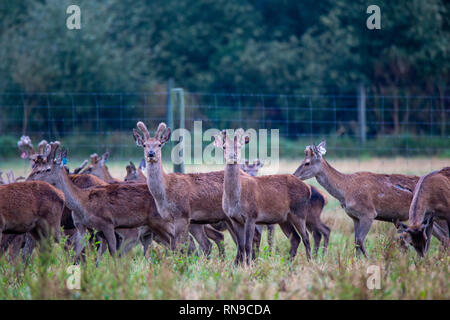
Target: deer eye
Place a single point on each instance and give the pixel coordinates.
(307, 163)
(160, 145)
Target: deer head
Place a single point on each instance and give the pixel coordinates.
(48, 165)
(232, 144)
(417, 236)
(152, 145)
(132, 174)
(26, 147)
(312, 163)
(96, 165)
(252, 169)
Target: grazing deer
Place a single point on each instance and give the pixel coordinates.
(98, 168)
(431, 201)
(267, 199)
(313, 222)
(192, 198)
(31, 207)
(364, 196)
(105, 207)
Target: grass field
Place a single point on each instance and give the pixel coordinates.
(163, 275)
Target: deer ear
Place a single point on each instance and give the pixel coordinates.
(78, 170)
(132, 166)
(426, 227)
(94, 158)
(165, 136)
(104, 158)
(138, 139)
(321, 147)
(218, 140)
(259, 164)
(142, 164)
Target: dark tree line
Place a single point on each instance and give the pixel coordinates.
(271, 46)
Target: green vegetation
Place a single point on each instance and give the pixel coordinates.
(163, 275)
(259, 46)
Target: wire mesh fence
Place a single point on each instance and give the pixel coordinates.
(407, 126)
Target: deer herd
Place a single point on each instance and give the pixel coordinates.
(173, 209)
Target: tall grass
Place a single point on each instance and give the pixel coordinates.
(165, 275)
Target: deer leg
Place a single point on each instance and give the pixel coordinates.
(289, 230)
(270, 234)
(29, 245)
(79, 240)
(109, 234)
(256, 241)
(146, 238)
(130, 239)
(200, 235)
(362, 227)
(441, 232)
(239, 231)
(300, 224)
(249, 237)
(326, 237)
(3, 244)
(181, 226)
(217, 237)
(317, 236)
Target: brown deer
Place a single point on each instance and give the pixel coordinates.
(193, 198)
(270, 199)
(313, 222)
(134, 174)
(105, 207)
(252, 169)
(200, 232)
(98, 168)
(431, 202)
(364, 196)
(31, 207)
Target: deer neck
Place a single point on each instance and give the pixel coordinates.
(156, 181)
(232, 183)
(332, 180)
(107, 176)
(75, 196)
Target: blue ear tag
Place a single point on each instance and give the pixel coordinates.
(64, 161)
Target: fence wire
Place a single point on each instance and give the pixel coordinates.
(407, 126)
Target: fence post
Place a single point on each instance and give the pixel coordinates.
(177, 98)
(362, 114)
(169, 103)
